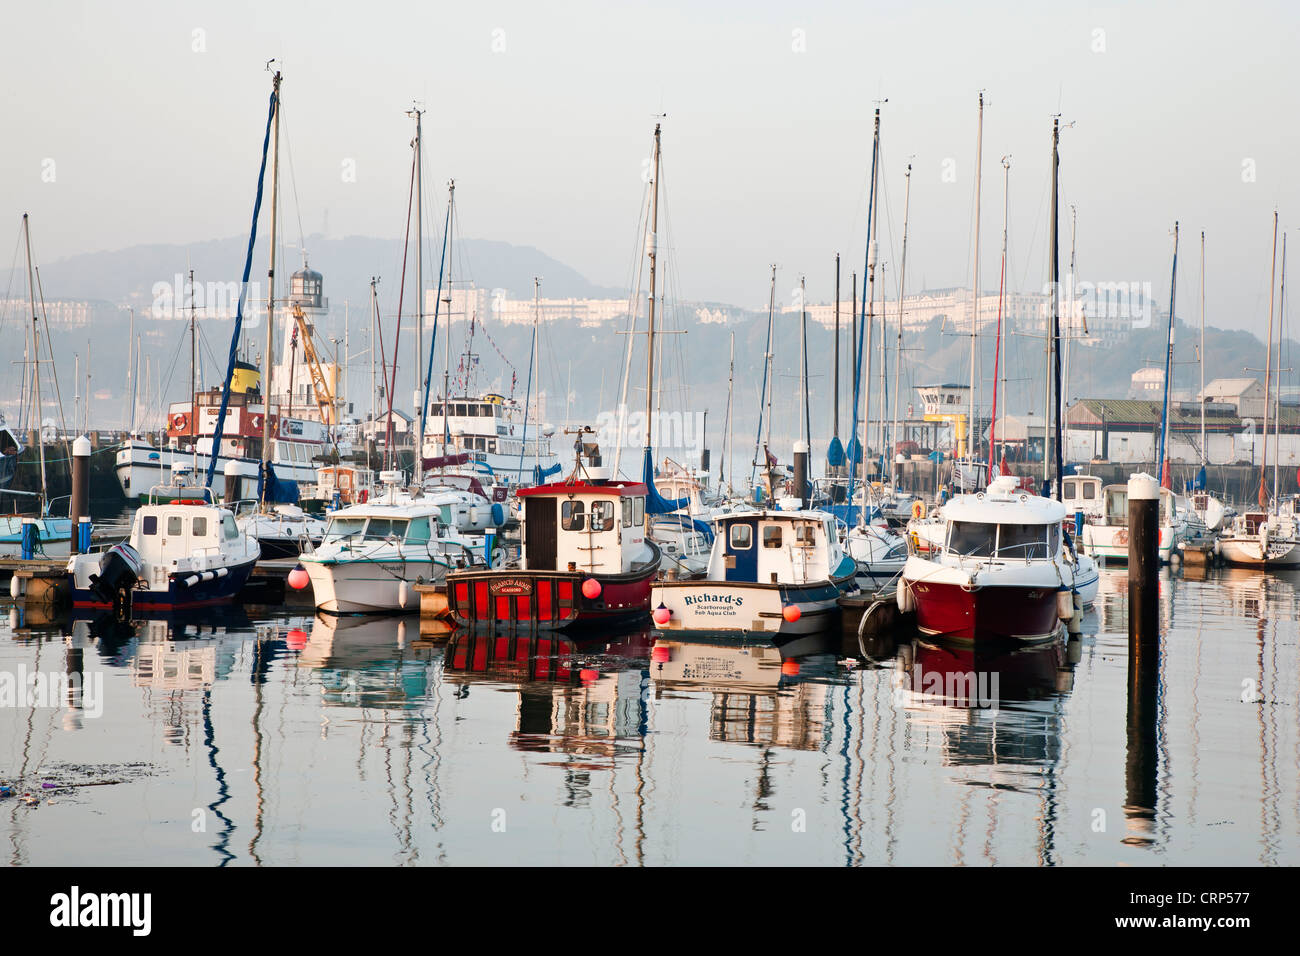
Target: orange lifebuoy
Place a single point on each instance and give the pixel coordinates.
(180, 421)
(1121, 536)
(918, 509)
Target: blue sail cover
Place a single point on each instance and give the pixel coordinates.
(854, 453)
(835, 453)
(1199, 482)
(655, 503)
(540, 474)
(277, 490)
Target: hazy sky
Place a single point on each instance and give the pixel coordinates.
(148, 119)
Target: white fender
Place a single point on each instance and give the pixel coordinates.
(1064, 605)
(15, 587)
(401, 593)
(905, 598)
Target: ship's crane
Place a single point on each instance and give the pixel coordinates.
(320, 388)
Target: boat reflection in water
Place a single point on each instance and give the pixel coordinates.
(759, 694)
(583, 698)
(998, 708)
(369, 661)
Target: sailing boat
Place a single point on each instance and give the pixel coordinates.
(48, 529)
(1267, 536)
(1004, 569)
(1209, 509)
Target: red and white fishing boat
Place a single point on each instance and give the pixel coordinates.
(1003, 574)
(585, 559)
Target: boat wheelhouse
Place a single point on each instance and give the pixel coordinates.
(181, 554)
(371, 555)
(1105, 535)
(489, 430)
(296, 443)
(585, 558)
(1082, 493)
(1260, 539)
(769, 572)
(1004, 572)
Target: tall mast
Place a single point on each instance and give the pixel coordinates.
(1277, 401)
(902, 291)
(537, 369)
(1202, 363)
(374, 389)
(1268, 369)
(868, 304)
(731, 422)
(652, 250)
(268, 359)
(835, 400)
(132, 362)
(975, 283)
(997, 348)
(419, 297)
(194, 382)
(1162, 463)
(803, 365)
(1054, 343)
(446, 371)
(771, 313)
(36, 355)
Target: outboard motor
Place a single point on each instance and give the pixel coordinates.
(119, 569)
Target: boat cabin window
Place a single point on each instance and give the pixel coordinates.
(444, 515)
(602, 515)
(229, 529)
(1089, 491)
(572, 516)
(149, 524)
(741, 537)
(175, 524)
(340, 528)
(972, 538)
(1117, 505)
(379, 529)
(418, 531)
(199, 527)
(627, 512)
(772, 536)
(1071, 489)
(805, 536)
(638, 511)
(1022, 541)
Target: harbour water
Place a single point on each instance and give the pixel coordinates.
(255, 737)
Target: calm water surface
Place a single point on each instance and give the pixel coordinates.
(261, 738)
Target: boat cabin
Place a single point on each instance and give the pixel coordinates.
(771, 547)
(1115, 506)
(1081, 493)
(413, 525)
(1003, 523)
(588, 525)
(184, 536)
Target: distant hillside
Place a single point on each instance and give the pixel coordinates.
(128, 275)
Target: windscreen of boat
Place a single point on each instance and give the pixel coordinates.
(1022, 541)
(379, 529)
(972, 538)
(341, 528)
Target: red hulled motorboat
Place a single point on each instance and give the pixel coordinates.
(585, 559)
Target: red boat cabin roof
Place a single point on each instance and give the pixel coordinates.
(624, 489)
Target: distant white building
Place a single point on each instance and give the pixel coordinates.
(1245, 395)
(1147, 384)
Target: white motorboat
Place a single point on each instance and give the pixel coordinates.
(1003, 574)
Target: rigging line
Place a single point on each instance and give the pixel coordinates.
(293, 184)
(397, 336)
(54, 370)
